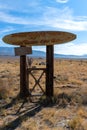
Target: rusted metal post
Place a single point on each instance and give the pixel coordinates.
(24, 92)
(49, 70)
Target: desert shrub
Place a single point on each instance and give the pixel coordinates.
(76, 123)
(4, 90)
(60, 100)
(77, 98)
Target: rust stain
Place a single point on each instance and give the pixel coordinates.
(39, 38)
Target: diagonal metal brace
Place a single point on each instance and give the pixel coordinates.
(37, 81)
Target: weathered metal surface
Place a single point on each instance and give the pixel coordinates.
(30, 69)
(19, 51)
(49, 70)
(24, 92)
(37, 81)
(39, 38)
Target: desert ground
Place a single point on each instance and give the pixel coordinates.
(67, 110)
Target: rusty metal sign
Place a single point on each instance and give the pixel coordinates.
(22, 51)
(39, 38)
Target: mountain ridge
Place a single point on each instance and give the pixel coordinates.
(9, 51)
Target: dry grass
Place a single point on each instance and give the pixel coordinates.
(4, 89)
(76, 123)
(68, 107)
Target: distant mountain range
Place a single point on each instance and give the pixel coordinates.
(9, 51)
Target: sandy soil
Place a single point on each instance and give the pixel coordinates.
(67, 110)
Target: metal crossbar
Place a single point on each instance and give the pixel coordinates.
(37, 81)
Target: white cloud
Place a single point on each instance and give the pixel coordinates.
(5, 17)
(62, 1)
(20, 6)
(71, 49)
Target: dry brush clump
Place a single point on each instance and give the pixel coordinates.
(6, 88)
(76, 123)
(3, 89)
(63, 99)
(58, 100)
(59, 79)
(79, 97)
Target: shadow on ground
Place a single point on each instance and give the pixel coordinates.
(32, 108)
(30, 111)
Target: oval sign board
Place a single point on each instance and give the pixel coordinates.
(39, 38)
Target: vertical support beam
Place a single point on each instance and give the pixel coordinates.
(27, 80)
(49, 70)
(23, 77)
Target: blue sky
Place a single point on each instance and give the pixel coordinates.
(59, 15)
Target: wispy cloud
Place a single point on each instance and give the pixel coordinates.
(20, 6)
(6, 29)
(8, 18)
(62, 1)
(50, 17)
(65, 19)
